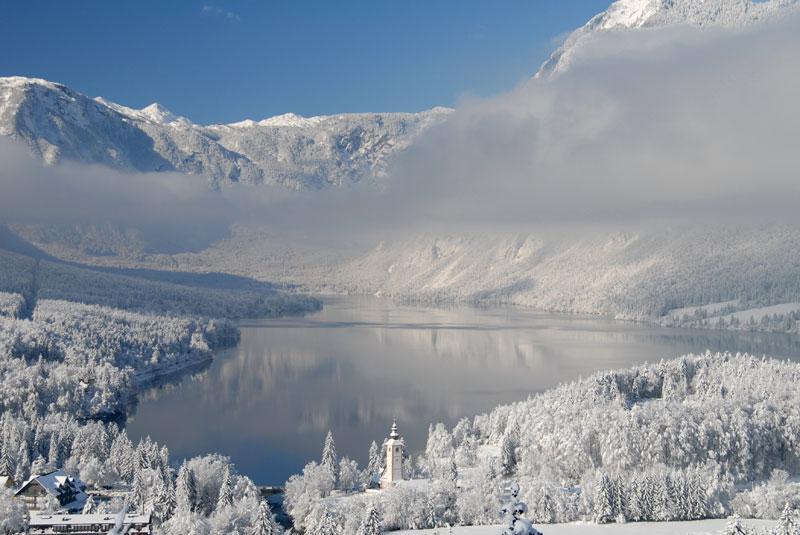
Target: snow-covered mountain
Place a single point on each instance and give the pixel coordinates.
(58, 124)
(628, 14)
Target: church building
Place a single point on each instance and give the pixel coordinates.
(395, 447)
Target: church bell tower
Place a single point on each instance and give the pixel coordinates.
(395, 446)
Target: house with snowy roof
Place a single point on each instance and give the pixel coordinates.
(55, 488)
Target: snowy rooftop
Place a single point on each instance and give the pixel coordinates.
(55, 519)
(54, 482)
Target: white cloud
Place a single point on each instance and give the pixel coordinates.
(215, 11)
(647, 124)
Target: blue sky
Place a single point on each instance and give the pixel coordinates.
(226, 61)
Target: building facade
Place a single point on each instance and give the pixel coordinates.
(89, 524)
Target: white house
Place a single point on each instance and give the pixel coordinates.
(395, 447)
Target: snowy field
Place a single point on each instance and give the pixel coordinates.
(696, 527)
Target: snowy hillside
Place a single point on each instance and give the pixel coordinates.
(59, 124)
(681, 276)
(628, 14)
(698, 437)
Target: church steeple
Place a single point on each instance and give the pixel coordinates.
(395, 447)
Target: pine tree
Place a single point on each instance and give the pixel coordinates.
(139, 492)
(265, 522)
(23, 463)
(372, 521)
(604, 501)
(327, 524)
(90, 506)
(164, 501)
(508, 454)
(662, 506)
(186, 489)
(6, 468)
(787, 524)
(621, 499)
(431, 513)
(225, 498)
(53, 452)
(545, 511)
(698, 500)
(452, 472)
(123, 457)
(329, 460)
(373, 465)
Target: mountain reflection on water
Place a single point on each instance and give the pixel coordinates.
(361, 362)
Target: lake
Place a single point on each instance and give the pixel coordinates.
(360, 362)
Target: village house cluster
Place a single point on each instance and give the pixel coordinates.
(55, 502)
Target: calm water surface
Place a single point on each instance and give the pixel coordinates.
(360, 362)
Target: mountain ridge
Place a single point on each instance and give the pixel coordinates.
(58, 124)
(641, 14)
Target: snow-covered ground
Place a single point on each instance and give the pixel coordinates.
(696, 527)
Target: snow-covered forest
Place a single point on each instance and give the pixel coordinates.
(149, 292)
(76, 347)
(204, 496)
(696, 437)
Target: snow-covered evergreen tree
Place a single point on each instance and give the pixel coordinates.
(123, 456)
(788, 523)
(6, 468)
(508, 455)
(620, 499)
(265, 522)
(329, 460)
(186, 489)
(54, 453)
(374, 466)
(372, 521)
(604, 501)
(327, 523)
(139, 492)
(225, 498)
(89, 506)
(452, 472)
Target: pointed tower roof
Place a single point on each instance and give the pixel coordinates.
(394, 436)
